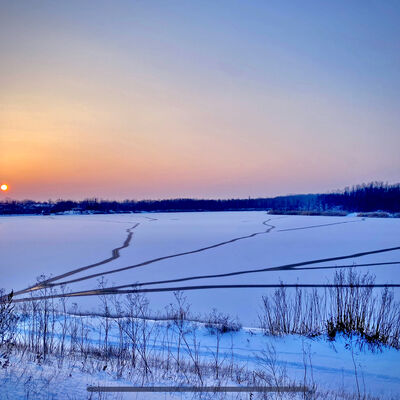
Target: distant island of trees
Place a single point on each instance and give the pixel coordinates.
(364, 198)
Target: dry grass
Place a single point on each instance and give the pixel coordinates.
(350, 310)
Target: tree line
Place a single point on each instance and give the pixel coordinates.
(360, 198)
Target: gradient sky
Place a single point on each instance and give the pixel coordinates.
(154, 99)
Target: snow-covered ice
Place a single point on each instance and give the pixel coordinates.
(171, 246)
(32, 246)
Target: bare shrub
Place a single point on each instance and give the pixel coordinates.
(218, 322)
(350, 310)
(357, 310)
(285, 313)
(8, 321)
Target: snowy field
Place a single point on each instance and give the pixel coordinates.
(329, 365)
(172, 246)
(149, 249)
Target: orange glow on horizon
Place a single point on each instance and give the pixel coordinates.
(4, 187)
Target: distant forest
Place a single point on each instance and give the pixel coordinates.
(371, 197)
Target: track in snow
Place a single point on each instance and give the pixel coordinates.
(49, 282)
(117, 290)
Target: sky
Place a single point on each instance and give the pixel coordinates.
(206, 99)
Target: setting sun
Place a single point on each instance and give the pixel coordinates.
(4, 187)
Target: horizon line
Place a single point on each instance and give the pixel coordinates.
(102, 199)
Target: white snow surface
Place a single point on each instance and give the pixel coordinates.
(332, 366)
(34, 245)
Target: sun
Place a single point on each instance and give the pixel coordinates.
(4, 187)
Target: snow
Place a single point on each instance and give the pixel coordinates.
(35, 245)
(332, 364)
(31, 246)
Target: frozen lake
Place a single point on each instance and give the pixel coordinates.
(154, 247)
(163, 250)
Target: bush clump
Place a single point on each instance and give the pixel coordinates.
(222, 323)
(350, 306)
